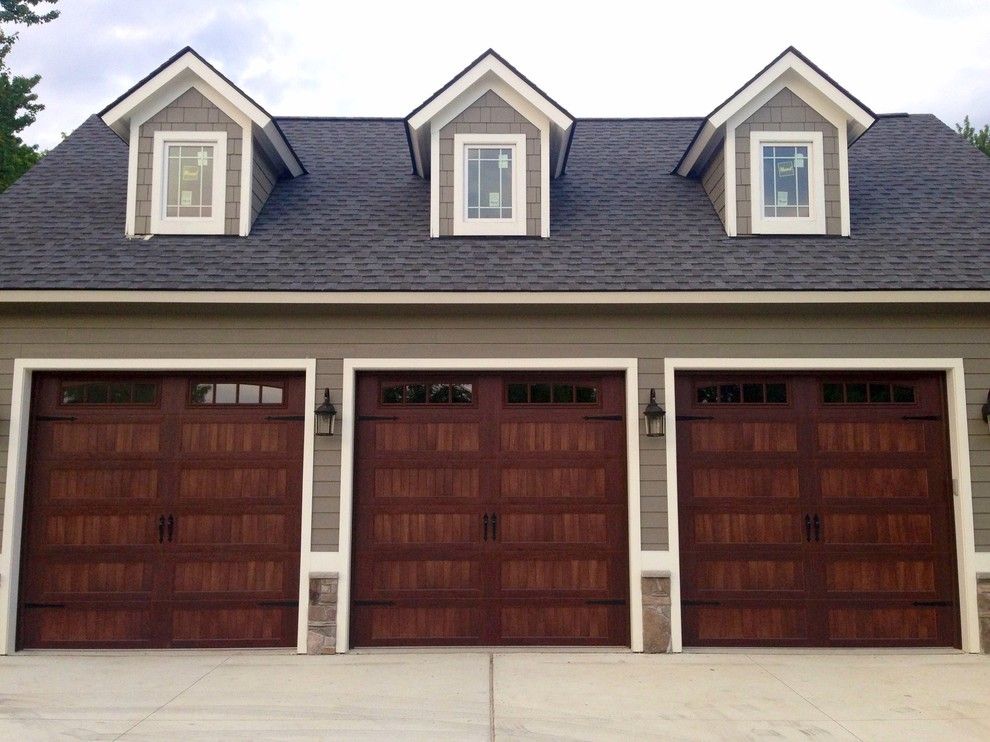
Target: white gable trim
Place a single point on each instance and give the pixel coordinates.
(795, 69)
(490, 64)
(189, 68)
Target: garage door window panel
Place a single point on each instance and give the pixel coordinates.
(109, 393)
(237, 393)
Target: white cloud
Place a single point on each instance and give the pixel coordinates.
(621, 58)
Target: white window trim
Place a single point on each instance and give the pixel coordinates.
(814, 224)
(515, 226)
(160, 224)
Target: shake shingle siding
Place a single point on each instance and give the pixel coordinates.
(359, 220)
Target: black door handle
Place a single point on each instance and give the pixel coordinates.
(818, 527)
(171, 527)
(161, 529)
(485, 521)
(807, 527)
(494, 526)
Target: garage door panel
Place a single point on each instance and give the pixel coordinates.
(745, 482)
(846, 541)
(117, 438)
(867, 482)
(565, 623)
(399, 437)
(133, 482)
(98, 529)
(425, 624)
(537, 482)
(235, 529)
(562, 575)
(742, 437)
(262, 576)
(425, 574)
(198, 625)
(113, 575)
(233, 482)
(212, 438)
(415, 480)
(746, 623)
(420, 529)
(554, 437)
(82, 626)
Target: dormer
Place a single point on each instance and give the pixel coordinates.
(489, 142)
(204, 157)
(773, 158)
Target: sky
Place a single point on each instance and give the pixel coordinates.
(614, 58)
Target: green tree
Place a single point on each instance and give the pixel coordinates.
(19, 106)
(979, 138)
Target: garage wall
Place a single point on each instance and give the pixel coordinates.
(650, 334)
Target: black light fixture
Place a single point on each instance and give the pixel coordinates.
(326, 415)
(986, 411)
(656, 424)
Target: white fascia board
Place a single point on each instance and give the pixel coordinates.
(493, 65)
(72, 296)
(189, 67)
(789, 63)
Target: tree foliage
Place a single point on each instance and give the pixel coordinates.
(19, 106)
(979, 138)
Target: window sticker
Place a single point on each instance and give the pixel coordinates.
(798, 160)
(186, 198)
(781, 198)
(503, 161)
(494, 200)
(202, 158)
(785, 168)
(190, 172)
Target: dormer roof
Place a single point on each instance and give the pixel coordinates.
(790, 69)
(488, 71)
(188, 69)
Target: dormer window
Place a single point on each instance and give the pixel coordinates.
(489, 184)
(189, 177)
(789, 182)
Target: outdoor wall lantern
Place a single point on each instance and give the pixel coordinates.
(986, 411)
(655, 417)
(326, 415)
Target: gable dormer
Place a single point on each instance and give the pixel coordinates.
(489, 141)
(204, 157)
(773, 158)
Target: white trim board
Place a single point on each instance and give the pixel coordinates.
(958, 451)
(72, 296)
(353, 366)
(10, 548)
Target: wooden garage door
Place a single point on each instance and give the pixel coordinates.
(490, 509)
(815, 510)
(162, 511)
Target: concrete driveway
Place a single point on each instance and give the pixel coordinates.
(475, 696)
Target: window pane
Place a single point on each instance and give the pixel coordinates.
(73, 394)
(753, 393)
(832, 393)
(416, 393)
(707, 394)
(97, 393)
(202, 394)
(271, 395)
(563, 393)
(768, 197)
(144, 393)
(855, 393)
(728, 393)
(120, 393)
(903, 394)
(460, 393)
(392, 395)
(505, 168)
(249, 394)
(472, 182)
(879, 392)
(586, 395)
(225, 394)
(539, 393)
(516, 393)
(439, 393)
(776, 393)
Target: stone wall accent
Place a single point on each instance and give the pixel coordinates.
(983, 610)
(490, 114)
(322, 635)
(656, 612)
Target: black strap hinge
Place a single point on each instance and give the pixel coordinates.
(700, 602)
(693, 417)
(603, 417)
(374, 602)
(933, 603)
(606, 602)
(921, 417)
(286, 417)
(53, 418)
(362, 418)
(279, 603)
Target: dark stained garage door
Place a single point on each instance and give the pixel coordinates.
(815, 510)
(162, 511)
(490, 509)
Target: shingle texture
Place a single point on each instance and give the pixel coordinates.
(359, 221)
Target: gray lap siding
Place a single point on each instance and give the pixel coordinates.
(649, 334)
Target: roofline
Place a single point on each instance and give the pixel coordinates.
(175, 58)
(467, 69)
(789, 50)
(72, 296)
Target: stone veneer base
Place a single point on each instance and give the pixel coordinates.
(656, 612)
(322, 635)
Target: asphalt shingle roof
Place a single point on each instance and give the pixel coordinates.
(359, 221)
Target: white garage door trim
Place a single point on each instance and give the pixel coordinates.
(958, 452)
(340, 561)
(20, 415)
